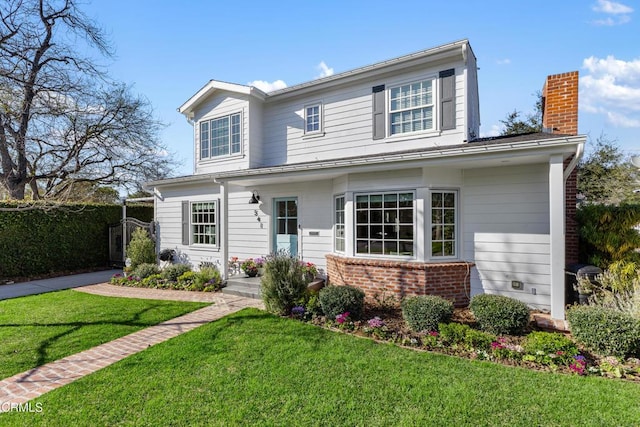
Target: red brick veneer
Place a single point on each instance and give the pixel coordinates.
(449, 280)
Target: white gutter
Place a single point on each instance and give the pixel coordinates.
(388, 158)
(574, 162)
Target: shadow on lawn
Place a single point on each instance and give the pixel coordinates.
(42, 348)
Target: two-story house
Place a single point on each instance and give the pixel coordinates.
(378, 176)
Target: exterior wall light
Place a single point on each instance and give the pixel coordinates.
(255, 198)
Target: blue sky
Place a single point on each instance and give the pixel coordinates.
(169, 49)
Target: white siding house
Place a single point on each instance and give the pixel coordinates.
(378, 176)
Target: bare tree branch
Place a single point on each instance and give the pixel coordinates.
(62, 120)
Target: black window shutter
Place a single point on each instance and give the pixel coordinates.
(378, 112)
(185, 223)
(447, 99)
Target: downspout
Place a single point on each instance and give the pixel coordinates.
(224, 229)
(574, 162)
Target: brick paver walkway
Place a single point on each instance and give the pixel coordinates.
(28, 385)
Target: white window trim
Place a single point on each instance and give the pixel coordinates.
(216, 224)
(344, 223)
(355, 226)
(223, 156)
(457, 235)
(320, 131)
(435, 130)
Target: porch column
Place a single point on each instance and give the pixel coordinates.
(557, 235)
(223, 229)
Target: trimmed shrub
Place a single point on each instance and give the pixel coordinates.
(605, 331)
(283, 283)
(173, 271)
(453, 333)
(66, 238)
(500, 315)
(145, 270)
(425, 312)
(141, 249)
(336, 300)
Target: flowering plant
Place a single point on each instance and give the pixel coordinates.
(309, 269)
(259, 262)
(579, 365)
(377, 328)
(249, 266)
(342, 318)
(297, 311)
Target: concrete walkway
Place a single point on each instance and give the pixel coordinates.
(28, 385)
(55, 284)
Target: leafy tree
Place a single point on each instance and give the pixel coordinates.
(62, 120)
(514, 124)
(605, 174)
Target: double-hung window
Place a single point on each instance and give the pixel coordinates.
(411, 107)
(385, 223)
(443, 223)
(220, 137)
(339, 244)
(313, 118)
(203, 223)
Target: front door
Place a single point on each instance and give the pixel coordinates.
(286, 225)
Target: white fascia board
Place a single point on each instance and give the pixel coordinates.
(563, 145)
(190, 179)
(213, 85)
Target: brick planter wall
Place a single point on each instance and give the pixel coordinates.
(449, 280)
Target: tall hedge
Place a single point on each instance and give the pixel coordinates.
(68, 237)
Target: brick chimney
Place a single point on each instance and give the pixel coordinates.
(560, 116)
(560, 104)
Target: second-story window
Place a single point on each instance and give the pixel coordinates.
(220, 137)
(411, 107)
(313, 118)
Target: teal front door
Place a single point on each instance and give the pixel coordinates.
(286, 225)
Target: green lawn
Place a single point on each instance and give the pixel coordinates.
(255, 369)
(38, 329)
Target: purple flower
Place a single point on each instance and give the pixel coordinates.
(298, 310)
(376, 322)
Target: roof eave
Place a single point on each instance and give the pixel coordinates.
(214, 85)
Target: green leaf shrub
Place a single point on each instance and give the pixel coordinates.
(141, 249)
(425, 312)
(499, 314)
(605, 331)
(283, 283)
(173, 271)
(207, 279)
(145, 270)
(549, 348)
(607, 234)
(70, 237)
(336, 300)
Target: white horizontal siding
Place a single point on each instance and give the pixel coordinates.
(222, 104)
(169, 216)
(249, 237)
(347, 122)
(505, 224)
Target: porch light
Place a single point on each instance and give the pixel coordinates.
(255, 198)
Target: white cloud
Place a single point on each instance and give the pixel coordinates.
(325, 71)
(621, 13)
(505, 61)
(611, 7)
(494, 131)
(612, 88)
(622, 120)
(268, 86)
